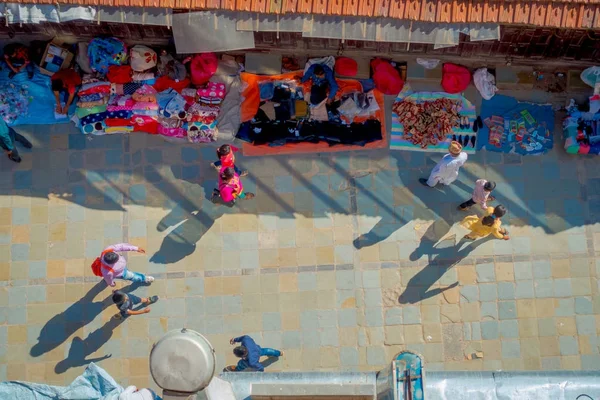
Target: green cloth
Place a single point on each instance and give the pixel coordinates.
(5, 136)
(82, 112)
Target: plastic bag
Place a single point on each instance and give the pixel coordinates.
(485, 83)
(428, 63)
(142, 58)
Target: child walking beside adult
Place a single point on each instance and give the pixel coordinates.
(487, 225)
(481, 195)
(446, 171)
(114, 265)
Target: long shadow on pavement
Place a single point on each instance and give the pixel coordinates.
(60, 327)
(441, 259)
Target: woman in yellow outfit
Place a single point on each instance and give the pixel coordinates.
(486, 225)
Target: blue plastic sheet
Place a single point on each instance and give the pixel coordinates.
(40, 102)
(94, 384)
(537, 120)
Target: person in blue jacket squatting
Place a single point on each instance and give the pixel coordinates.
(322, 79)
(250, 354)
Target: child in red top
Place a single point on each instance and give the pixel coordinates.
(230, 187)
(227, 159)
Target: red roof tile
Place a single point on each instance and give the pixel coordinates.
(559, 13)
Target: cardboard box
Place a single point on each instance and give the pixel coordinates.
(55, 58)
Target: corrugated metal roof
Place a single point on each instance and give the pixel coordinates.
(581, 14)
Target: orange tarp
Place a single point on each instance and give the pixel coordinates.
(251, 103)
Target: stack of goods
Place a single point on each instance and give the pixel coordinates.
(91, 107)
(428, 122)
(582, 128)
(191, 114)
(286, 117)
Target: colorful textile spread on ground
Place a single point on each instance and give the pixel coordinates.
(180, 113)
(27, 102)
(510, 126)
(581, 129)
(429, 121)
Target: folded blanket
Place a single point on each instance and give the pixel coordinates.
(92, 118)
(90, 104)
(127, 88)
(82, 112)
(96, 89)
(122, 114)
(172, 132)
(119, 129)
(213, 90)
(136, 106)
(117, 121)
(91, 97)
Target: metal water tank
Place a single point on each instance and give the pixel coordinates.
(182, 362)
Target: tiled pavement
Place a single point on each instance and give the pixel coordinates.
(284, 268)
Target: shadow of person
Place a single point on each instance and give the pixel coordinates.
(60, 327)
(441, 259)
(269, 361)
(81, 348)
(191, 224)
(434, 233)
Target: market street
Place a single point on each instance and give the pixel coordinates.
(283, 267)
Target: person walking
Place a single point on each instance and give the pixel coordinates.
(250, 354)
(487, 225)
(481, 195)
(230, 187)
(126, 302)
(226, 156)
(446, 171)
(114, 266)
(8, 136)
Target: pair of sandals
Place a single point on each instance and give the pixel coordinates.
(464, 122)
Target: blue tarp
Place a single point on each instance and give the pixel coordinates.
(537, 120)
(94, 384)
(37, 93)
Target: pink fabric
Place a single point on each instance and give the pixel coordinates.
(214, 90)
(118, 267)
(140, 105)
(584, 148)
(480, 196)
(203, 67)
(96, 89)
(171, 132)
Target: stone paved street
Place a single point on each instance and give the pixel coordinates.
(284, 267)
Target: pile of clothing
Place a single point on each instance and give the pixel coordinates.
(191, 114)
(582, 128)
(14, 101)
(427, 122)
(121, 98)
(286, 116)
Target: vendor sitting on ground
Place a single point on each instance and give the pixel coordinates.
(65, 80)
(322, 80)
(16, 56)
